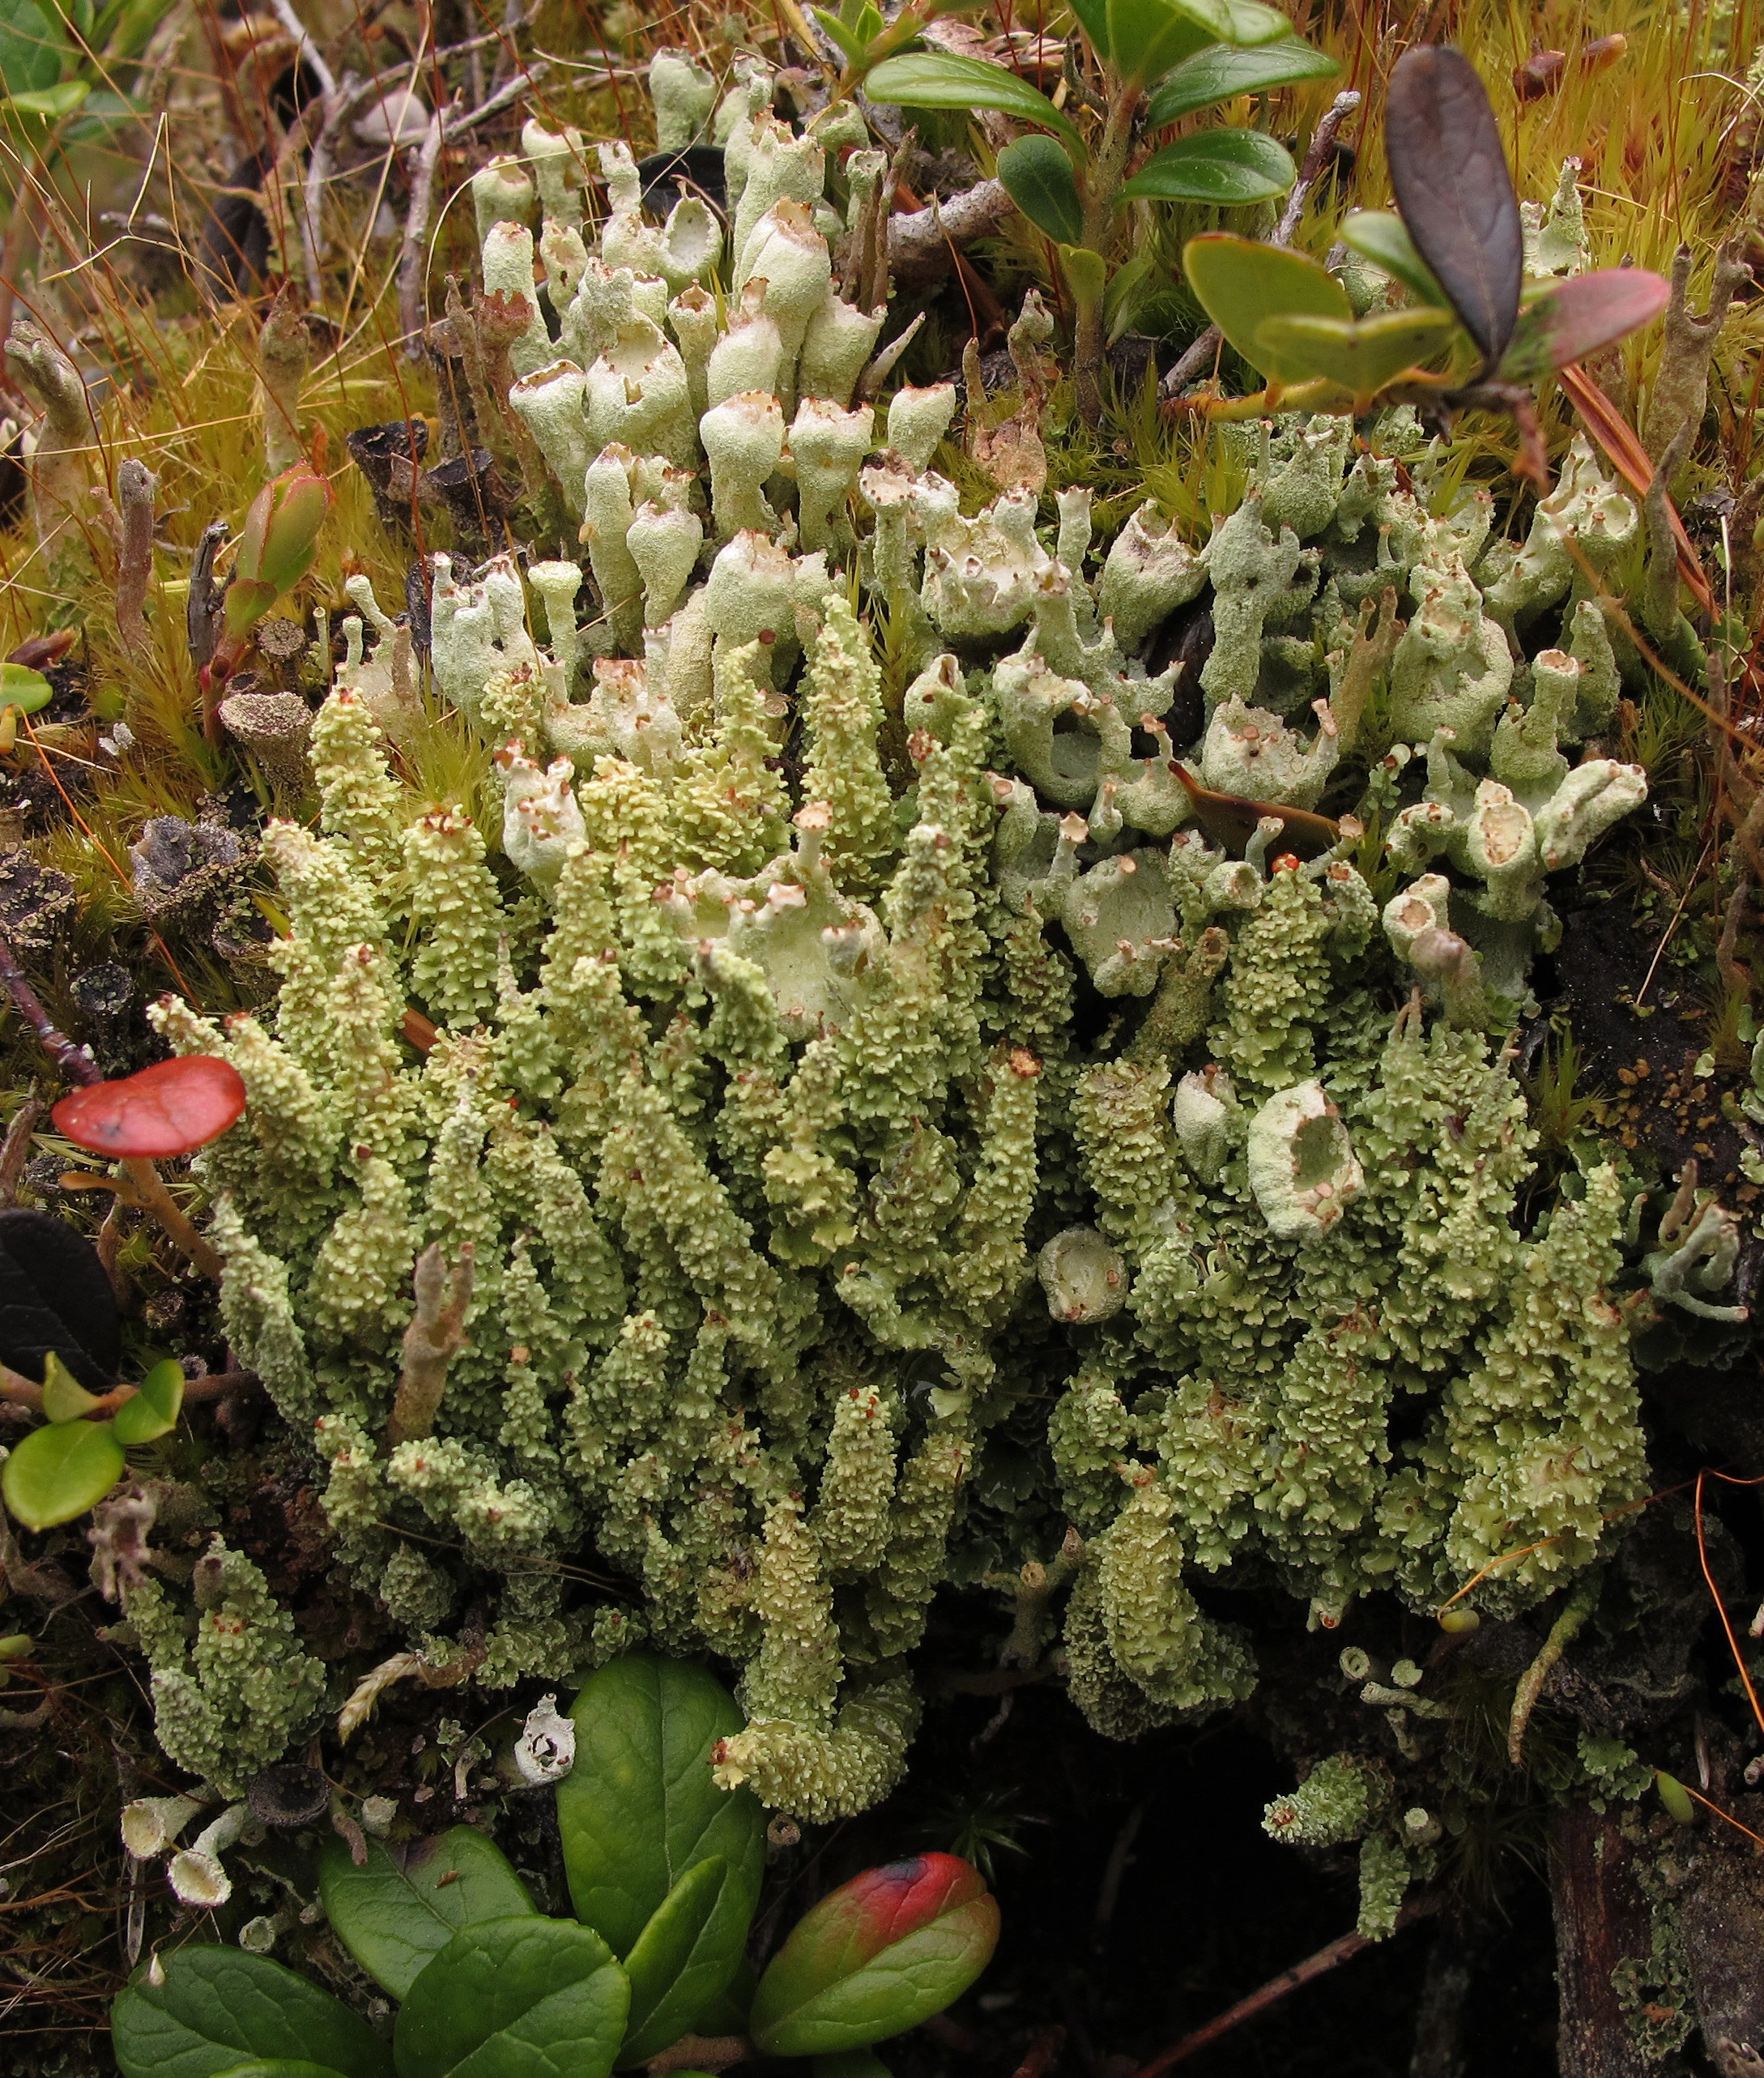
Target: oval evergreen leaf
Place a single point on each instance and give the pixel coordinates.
(940, 80)
(1234, 21)
(1221, 74)
(220, 2007)
(1037, 177)
(1449, 171)
(59, 1472)
(1226, 167)
(878, 1956)
(404, 1905)
(1241, 282)
(519, 1997)
(639, 1808)
(1362, 358)
(682, 1962)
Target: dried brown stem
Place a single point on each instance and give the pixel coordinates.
(74, 1062)
(435, 1334)
(20, 1392)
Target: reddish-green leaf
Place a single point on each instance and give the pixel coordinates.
(1448, 167)
(278, 544)
(882, 1953)
(1580, 315)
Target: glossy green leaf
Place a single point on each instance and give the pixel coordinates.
(405, 1903)
(940, 80)
(1226, 167)
(1087, 271)
(521, 1998)
(51, 101)
(65, 1399)
(153, 1412)
(58, 1473)
(882, 1953)
(1221, 73)
(31, 48)
(1580, 315)
(219, 2006)
(682, 1962)
(1379, 236)
(1147, 37)
(1037, 175)
(1360, 357)
(22, 687)
(640, 1806)
(1234, 21)
(1240, 282)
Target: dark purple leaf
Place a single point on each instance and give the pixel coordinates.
(54, 1294)
(1449, 171)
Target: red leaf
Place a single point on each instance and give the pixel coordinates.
(171, 1109)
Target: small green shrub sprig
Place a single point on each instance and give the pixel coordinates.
(664, 1871)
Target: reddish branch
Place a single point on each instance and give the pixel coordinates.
(1276, 1988)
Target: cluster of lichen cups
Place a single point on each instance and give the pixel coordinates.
(755, 1109)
